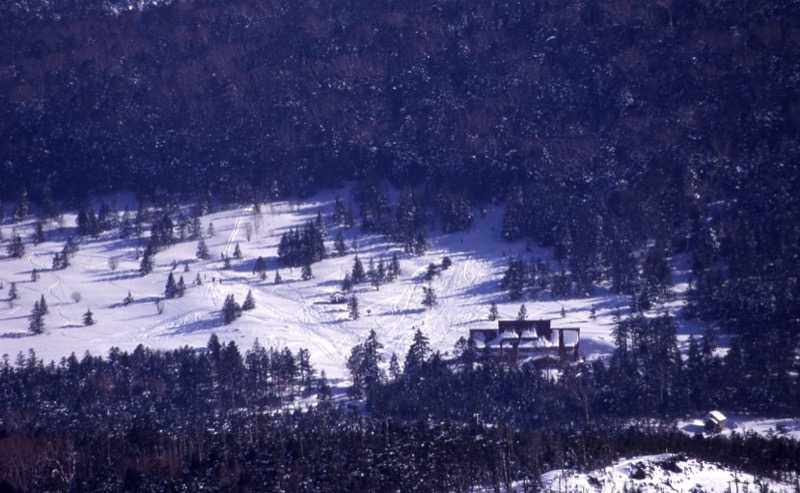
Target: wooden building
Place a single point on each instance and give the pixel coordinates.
(532, 340)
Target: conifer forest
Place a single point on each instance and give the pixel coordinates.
(619, 135)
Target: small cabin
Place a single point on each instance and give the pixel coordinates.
(715, 421)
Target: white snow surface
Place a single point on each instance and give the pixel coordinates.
(298, 313)
(659, 473)
(295, 313)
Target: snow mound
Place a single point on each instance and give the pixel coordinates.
(660, 473)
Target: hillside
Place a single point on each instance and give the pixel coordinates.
(295, 313)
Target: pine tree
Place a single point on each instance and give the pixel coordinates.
(358, 276)
(230, 310)
(170, 291)
(420, 244)
(237, 252)
(88, 317)
(148, 262)
(429, 299)
(339, 245)
(128, 299)
(431, 273)
(352, 306)
(202, 250)
(210, 233)
(38, 233)
(493, 314)
(305, 273)
(278, 278)
(522, 314)
(324, 392)
(260, 266)
(249, 301)
(417, 355)
(126, 224)
(16, 248)
(394, 267)
(36, 320)
(394, 368)
(180, 288)
(347, 284)
(12, 292)
(43, 306)
(34, 275)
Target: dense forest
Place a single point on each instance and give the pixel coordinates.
(623, 135)
(220, 420)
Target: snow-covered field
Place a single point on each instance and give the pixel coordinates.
(660, 473)
(295, 313)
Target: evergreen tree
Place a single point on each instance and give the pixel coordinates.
(38, 235)
(493, 313)
(339, 245)
(210, 233)
(522, 314)
(196, 228)
(126, 224)
(36, 320)
(237, 252)
(324, 392)
(249, 301)
(515, 278)
(260, 266)
(278, 278)
(34, 275)
(180, 288)
(431, 272)
(420, 244)
(128, 299)
(171, 289)
(88, 317)
(230, 310)
(202, 250)
(394, 268)
(467, 352)
(43, 306)
(347, 284)
(358, 274)
(305, 273)
(148, 261)
(394, 368)
(364, 364)
(16, 248)
(429, 299)
(338, 214)
(352, 306)
(12, 292)
(417, 355)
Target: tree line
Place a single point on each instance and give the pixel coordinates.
(221, 420)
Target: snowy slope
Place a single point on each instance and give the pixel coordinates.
(295, 313)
